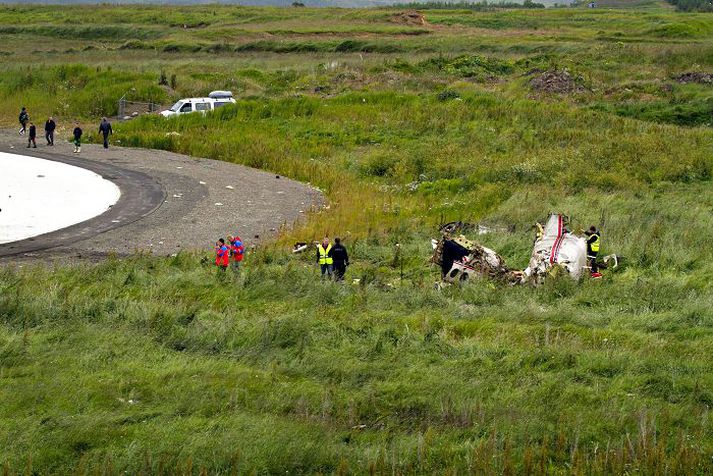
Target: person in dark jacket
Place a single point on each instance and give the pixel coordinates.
(50, 126)
(340, 259)
(593, 239)
(105, 130)
(33, 135)
(77, 133)
(24, 118)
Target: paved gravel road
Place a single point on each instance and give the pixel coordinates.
(170, 202)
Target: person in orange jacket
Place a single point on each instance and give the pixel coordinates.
(237, 251)
(222, 255)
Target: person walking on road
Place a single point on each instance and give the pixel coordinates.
(77, 138)
(324, 257)
(237, 251)
(222, 255)
(33, 135)
(340, 258)
(106, 131)
(24, 118)
(50, 126)
(593, 239)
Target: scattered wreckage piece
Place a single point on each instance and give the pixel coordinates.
(461, 259)
(300, 247)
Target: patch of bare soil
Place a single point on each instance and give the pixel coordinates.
(695, 77)
(410, 17)
(553, 81)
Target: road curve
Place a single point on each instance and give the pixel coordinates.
(169, 202)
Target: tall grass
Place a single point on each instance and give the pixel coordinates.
(144, 364)
(160, 365)
(464, 157)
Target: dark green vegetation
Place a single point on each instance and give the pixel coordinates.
(478, 6)
(158, 365)
(693, 5)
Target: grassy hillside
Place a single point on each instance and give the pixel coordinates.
(159, 365)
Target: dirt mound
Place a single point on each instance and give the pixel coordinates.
(411, 17)
(556, 82)
(691, 77)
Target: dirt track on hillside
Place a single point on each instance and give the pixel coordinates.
(170, 202)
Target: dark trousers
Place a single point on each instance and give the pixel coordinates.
(49, 135)
(31, 141)
(339, 270)
(593, 262)
(106, 141)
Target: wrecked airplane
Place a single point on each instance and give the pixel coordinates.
(555, 250)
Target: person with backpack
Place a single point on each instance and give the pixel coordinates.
(33, 135)
(77, 133)
(222, 255)
(106, 131)
(24, 118)
(50, 126)
(237, 251)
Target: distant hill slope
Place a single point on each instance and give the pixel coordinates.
(279, 3)
(639, 4)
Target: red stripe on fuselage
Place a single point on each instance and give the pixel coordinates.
(558, 241)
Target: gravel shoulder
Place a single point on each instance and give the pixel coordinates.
(170, 202)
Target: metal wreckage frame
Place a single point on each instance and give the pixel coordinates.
(556, 251)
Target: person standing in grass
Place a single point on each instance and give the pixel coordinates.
(324, 257)
(237, 250)
(50, 126)
(340, 258)
(31, 140)
(106, 131)
(593, 239)
(77, 138)
(24, 118)
(222, 255)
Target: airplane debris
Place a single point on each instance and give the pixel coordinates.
(299, 247)
(555, 250)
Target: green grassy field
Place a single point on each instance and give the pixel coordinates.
(159, 366)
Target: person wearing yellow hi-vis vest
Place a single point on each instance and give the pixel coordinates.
(593, 241)
(324, 257)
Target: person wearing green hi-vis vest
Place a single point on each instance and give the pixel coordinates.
(593, 241)
(324, 258)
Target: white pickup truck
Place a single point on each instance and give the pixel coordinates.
(214, 100)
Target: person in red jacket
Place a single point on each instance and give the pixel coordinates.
(222, 255)
(237, 251)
